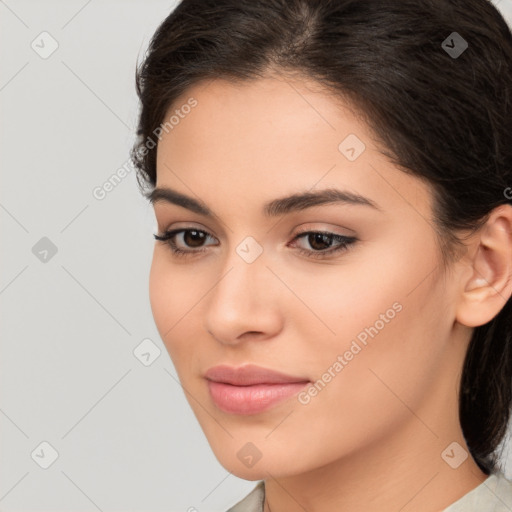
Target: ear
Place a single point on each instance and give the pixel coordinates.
(489, 286)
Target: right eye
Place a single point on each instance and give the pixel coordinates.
(190, 238)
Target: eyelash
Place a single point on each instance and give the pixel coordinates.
(344, 243)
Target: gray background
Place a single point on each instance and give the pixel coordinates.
(125, 436)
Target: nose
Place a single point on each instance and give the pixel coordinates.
(244, 302)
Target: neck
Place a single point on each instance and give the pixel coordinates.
(389, 478)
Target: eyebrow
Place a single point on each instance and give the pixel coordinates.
(281, 206)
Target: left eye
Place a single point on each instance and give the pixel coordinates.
(196, 237)
(322, 238)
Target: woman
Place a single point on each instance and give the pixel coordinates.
(332, 184)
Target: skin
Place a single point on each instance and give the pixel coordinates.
(372, 439)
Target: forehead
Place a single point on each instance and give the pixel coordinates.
(273, 114)
(268, 137)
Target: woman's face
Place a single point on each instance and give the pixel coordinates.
(370, 326)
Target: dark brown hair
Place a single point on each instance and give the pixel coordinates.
(442, 117)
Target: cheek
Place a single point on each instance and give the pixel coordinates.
(170, 300)
(389, 340)
(160, 294)
(334, 304)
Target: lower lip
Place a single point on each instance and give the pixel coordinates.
(251, 399)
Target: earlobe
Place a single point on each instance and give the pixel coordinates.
(490, 285)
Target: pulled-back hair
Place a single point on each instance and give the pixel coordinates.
(439, 116)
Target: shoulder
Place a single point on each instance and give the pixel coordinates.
(253, 502)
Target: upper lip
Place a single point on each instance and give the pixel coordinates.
(249, 374)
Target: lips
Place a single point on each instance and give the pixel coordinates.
(249, 375)
(250, 389)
